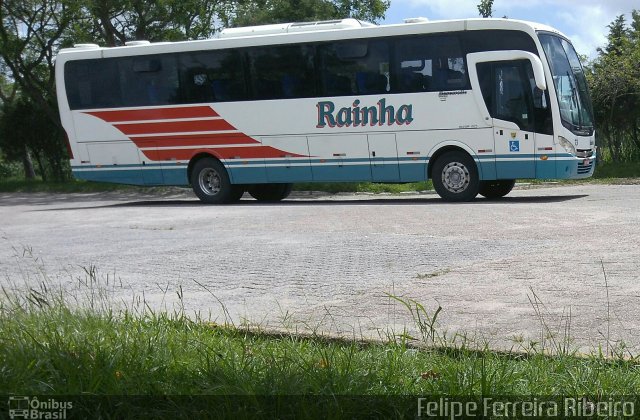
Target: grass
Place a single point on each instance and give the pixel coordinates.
(72, 186)
(617, 170)
(54, 343)
(364, 187)
(77, 186)
(50, 348)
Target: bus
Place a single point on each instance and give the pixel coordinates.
(470, 104)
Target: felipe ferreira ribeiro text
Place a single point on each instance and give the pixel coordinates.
(567, 407)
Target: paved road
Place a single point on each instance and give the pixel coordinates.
(508, 273)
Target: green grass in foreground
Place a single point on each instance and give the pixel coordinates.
(62, 352)
(48, 347)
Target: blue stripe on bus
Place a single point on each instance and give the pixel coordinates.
(129, 176)
(287, 174)
(546, 169)
(341, 173)
(136, 176)
(383, 169)
(175, 176)
(487, 170)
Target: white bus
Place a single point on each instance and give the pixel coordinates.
(470, 104)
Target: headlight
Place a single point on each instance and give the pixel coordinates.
(567, 145)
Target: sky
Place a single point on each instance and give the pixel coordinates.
(583, 21)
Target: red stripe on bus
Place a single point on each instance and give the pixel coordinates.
(174, 127)
(252, 152)
(192, 140)
(155, 114)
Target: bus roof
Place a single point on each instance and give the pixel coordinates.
(297, 33)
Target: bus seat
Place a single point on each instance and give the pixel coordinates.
(455, 79)
(266, 88)
(153, 94)
(220, 88)
(291, 86)
(370, 83)
(411, 81)
(337, 85)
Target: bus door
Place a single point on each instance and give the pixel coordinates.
(383, 154)
(507, 93)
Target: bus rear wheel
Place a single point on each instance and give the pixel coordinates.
(270, 192)
(210, 182)
(496, 189)
(455, 177)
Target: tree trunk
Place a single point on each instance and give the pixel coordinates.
(29, 171)
(43, 173)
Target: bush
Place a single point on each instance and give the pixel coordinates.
(10, 169)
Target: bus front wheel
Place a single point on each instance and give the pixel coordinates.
(210, 182)
(496, 189)
(270, 192)
(455, 177)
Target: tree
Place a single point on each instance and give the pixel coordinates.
(33, 31)
(30, 35)
(486, 8)
(25, 131)
(614, 79)
(113, 22)
(617, 37)
(257, 12)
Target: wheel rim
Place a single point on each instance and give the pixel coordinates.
(209, 181)
(455, 177)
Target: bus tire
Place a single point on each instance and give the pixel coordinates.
(496, 189)
(210, 182)
(270, 192)
(455, 177)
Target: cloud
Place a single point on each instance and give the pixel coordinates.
(577, 8)
(583, 21)
(442, 9)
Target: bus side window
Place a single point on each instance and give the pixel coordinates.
(195, 84)
(446, 78)
(149, 80)
(212, 76)
(282, 72)
(92, 84)
(354, 68)
(429, 63)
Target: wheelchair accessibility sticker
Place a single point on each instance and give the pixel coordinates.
(514, 145)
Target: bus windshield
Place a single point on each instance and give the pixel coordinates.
(570, 84)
